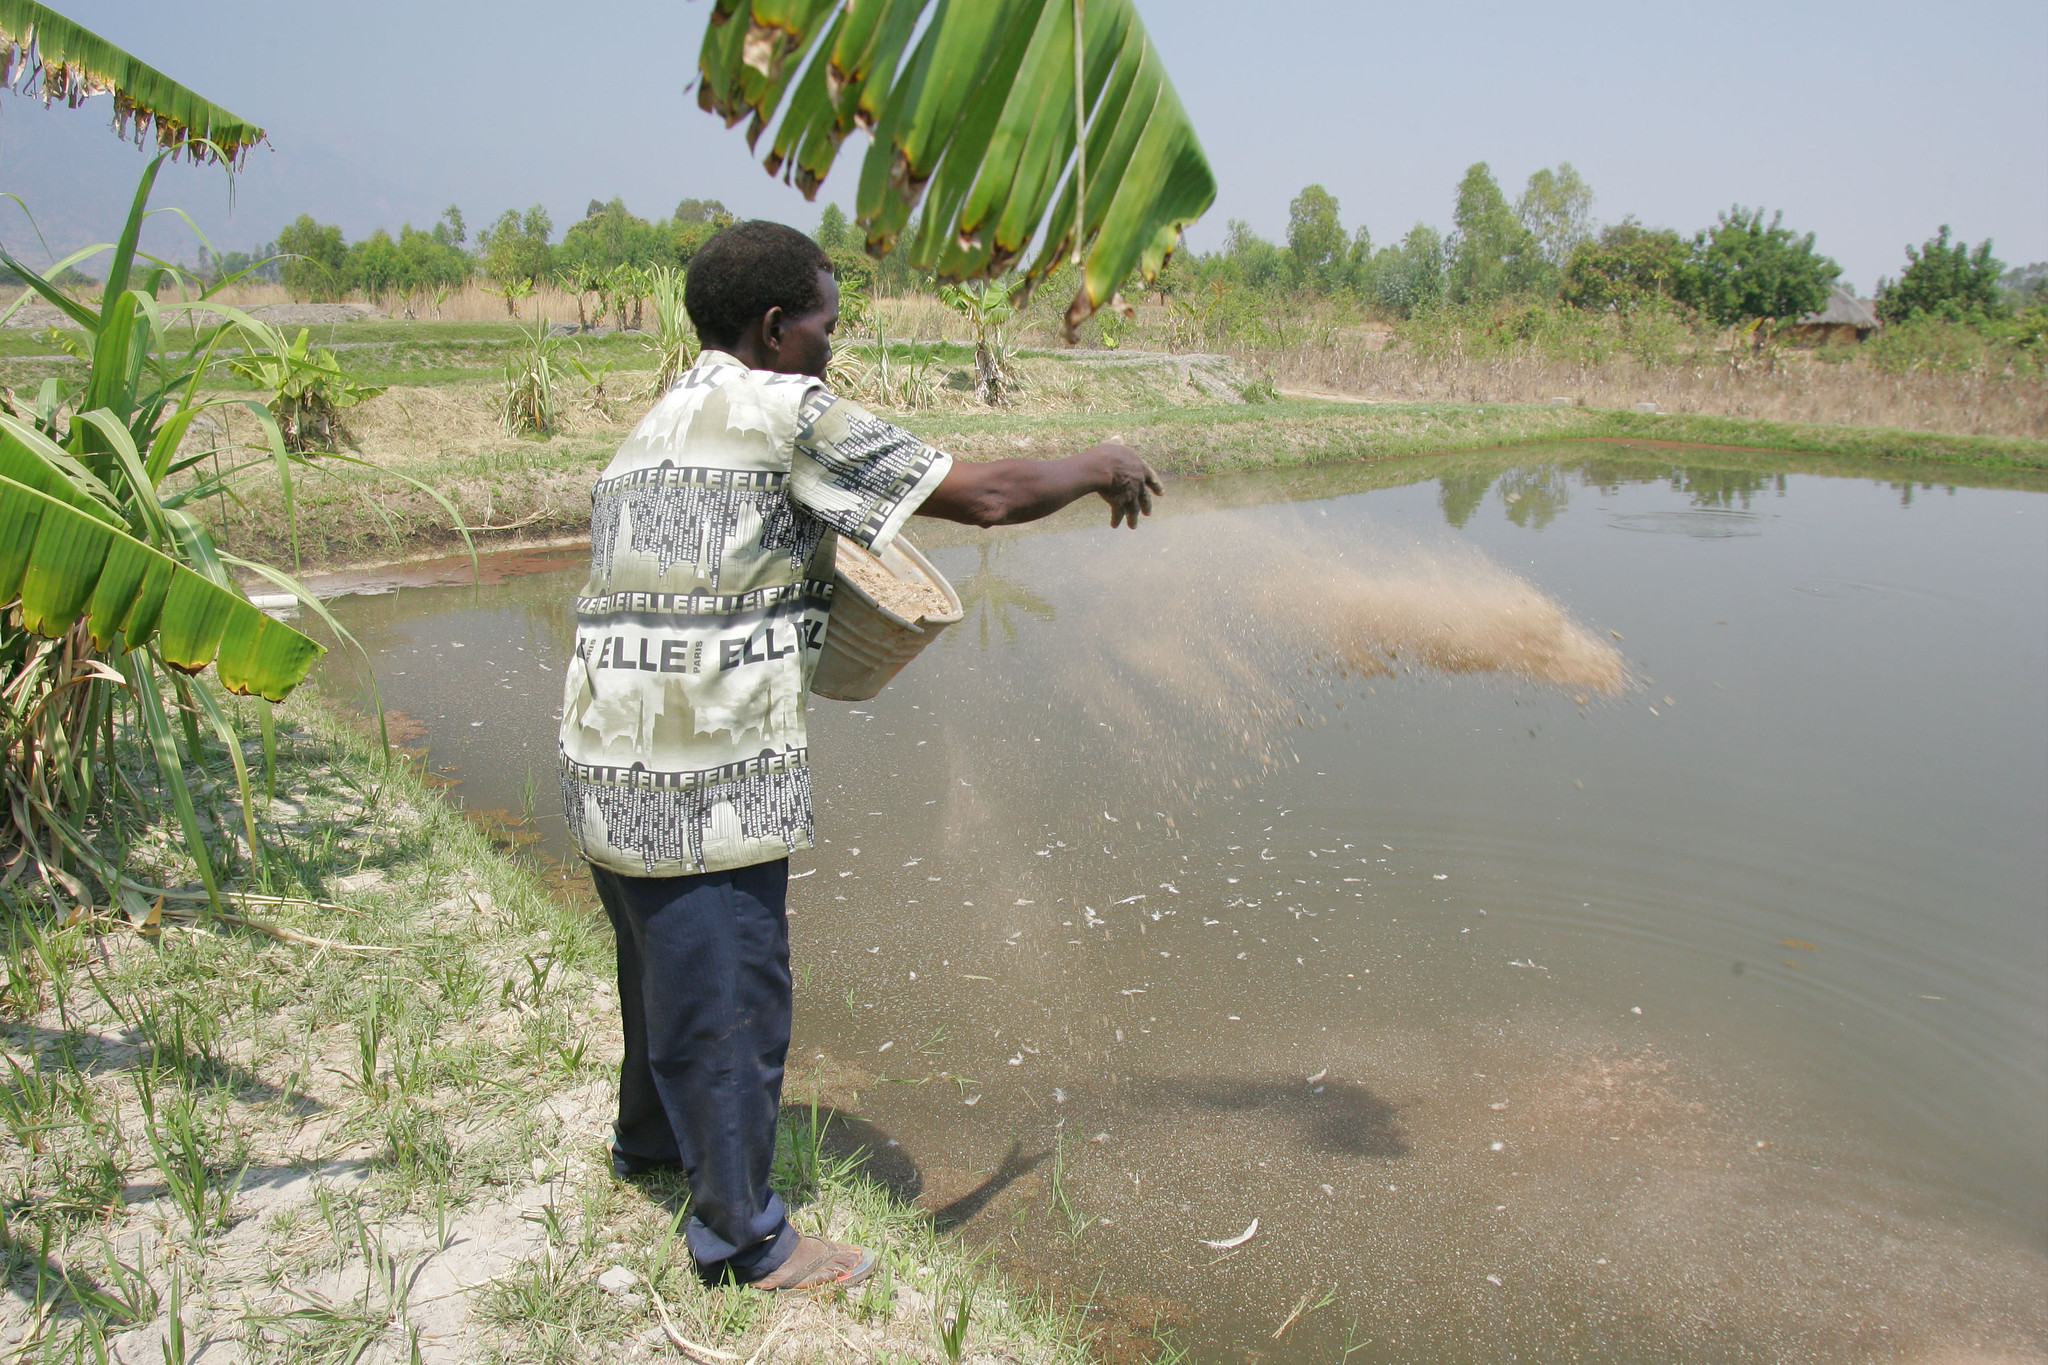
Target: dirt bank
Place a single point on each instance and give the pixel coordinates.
(525, 491)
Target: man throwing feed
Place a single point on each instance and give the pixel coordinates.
(685, 767)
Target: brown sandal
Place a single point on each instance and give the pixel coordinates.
(817, 1263)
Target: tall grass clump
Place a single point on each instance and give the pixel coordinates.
(674, 339)
(530, 405)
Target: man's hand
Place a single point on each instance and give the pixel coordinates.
(1006, 492)
(1130, 482)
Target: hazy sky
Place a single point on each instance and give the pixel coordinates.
(1868, 123)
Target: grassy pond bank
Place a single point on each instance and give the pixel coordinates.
(523, 490)
(373, 1127)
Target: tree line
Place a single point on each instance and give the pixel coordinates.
(1543, 246)
(315, 261)
(1745, 268)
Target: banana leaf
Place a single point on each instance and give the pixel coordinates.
(991, 119)
(43, 52)
(63, 560)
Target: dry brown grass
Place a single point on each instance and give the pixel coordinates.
(468, 304)
(412, 422)
(1318, 349)
(1314, 349)
(1791, 387)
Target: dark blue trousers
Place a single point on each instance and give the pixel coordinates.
(704, 994)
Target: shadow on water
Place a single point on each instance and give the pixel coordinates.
(868, 1151)
(1334, 1116)
(1014, 1167)
(1338, 1117)
(850, 1140)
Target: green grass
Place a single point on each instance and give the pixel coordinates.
(1289, 432)
(415, 353)
(382, 353)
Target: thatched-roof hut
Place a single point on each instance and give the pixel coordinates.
(1846, 318)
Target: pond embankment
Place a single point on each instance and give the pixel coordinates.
(510, 491)
(367, 1118)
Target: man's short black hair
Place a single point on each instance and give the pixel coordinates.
(746, 269)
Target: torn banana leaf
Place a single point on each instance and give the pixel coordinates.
(43, 53)
(977, 121)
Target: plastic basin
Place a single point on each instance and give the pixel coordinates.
(866, 643)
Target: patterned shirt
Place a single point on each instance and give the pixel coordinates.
(712, 537)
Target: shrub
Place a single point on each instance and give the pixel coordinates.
(2014, 346)
(515, 247)
(316, 260)
(1943, 282)
(1408, 279)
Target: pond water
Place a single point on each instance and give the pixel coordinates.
(1582, 902)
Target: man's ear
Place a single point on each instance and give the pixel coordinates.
(771, 328)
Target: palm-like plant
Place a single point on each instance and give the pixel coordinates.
(115, 591)
(576, 280)
(628, 284)
(1015, 122)
(308, 388)
(116, 587)
(516, 289)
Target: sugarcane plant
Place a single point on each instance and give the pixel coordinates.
(528, 404)
(1039, 130)
(674, 339)
(116, 592)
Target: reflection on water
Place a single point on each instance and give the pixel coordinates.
(1702, 1020)
(988, 595)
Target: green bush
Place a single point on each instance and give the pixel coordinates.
(1945, 283)
(1743, 269)
(319, 264)
(1625, 267)
(2014, 346)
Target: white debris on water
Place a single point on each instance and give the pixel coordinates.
(1231, 1242)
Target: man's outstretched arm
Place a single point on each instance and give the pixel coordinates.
(1005, 492)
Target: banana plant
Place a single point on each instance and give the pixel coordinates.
(42, 52)
(627, 284)
(576, 280)
(986, 307)
(1020, 125)
(308, 388)
(114, 586)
